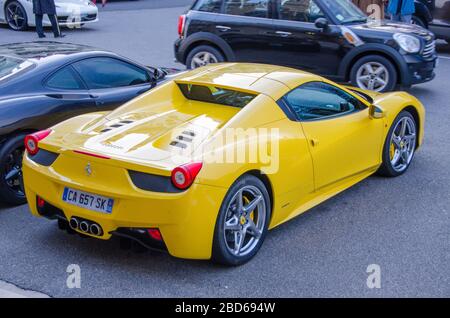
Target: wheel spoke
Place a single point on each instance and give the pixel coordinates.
(397, 140)
(252, 205)
(12, 174)
(232, 224)
(369, 68)
(403, 128)
(253, 230)
(371, 85)
(207, 57)
(405, 156)
(238, 241)
(197, 61)
(380, 81)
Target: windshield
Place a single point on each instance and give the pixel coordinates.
(345, 11)
(11, 65)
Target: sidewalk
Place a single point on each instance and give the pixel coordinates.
(10, 291)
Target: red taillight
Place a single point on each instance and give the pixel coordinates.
(183, 176)
(181, 22)
(40, 202)
(32, 140)
(155, 234)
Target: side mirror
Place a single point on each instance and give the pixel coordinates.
(321, 23)
(376, 112)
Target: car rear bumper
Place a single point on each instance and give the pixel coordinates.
(179, 55)
(186, 220)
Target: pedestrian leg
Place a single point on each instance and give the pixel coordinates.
(39, 28)
(55, 25)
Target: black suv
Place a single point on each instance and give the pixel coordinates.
(434, 15)
(328, 37)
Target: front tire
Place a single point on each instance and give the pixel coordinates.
(203, 55)
(242, 222)
(399, 147)
(375, 73)
(11, 182)
(16, 16)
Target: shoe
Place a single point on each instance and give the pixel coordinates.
(61, 35)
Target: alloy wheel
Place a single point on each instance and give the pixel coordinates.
(245, 220)
(15, 16)
(373, 76)
(12, 171)
(203, 58)
(403, 144)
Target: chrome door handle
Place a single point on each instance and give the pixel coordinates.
(223, 28)
(283, 33)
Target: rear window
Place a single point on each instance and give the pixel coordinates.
(9, 66)
(216, 95)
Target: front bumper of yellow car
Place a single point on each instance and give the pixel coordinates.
(186, 220)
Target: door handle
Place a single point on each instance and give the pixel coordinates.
(283, 34)
(93, 96)
(223, 28)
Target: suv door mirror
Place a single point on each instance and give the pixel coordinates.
(321, 23)
(376, 112)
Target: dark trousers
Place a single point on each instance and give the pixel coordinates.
(54, 22)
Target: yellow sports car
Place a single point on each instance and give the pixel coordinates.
(203, 165)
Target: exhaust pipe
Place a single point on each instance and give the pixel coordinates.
(73, 223)
(95, 229)
(84, 226)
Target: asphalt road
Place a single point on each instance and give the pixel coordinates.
(402, 224)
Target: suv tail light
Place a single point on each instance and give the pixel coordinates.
(32, 141)
(183, 176)
(181, 23)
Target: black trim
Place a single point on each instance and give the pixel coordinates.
(141, 236)
(152, 182)
(50, 211)
(44, 157)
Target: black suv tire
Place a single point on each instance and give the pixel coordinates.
(215, 56)
(380, 60)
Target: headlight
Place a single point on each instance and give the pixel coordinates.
(408, 43)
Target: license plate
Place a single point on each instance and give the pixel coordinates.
(88, 201)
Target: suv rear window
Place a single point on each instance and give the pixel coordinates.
(208, 5)
(216, 95)
(10, 66)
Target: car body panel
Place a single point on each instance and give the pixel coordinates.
(305, 175)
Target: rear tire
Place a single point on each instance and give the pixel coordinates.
(203, 55)
(374, 72)
(398, 153)
(11, 190)
(241, 228)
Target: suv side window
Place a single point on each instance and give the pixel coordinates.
(65, 78)
(318, 100)
(249, 8)
(299, 10)
(208, 6)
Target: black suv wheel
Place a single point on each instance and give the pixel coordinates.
(375, 73)
(203, 55)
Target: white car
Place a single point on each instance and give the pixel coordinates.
(18, 14)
